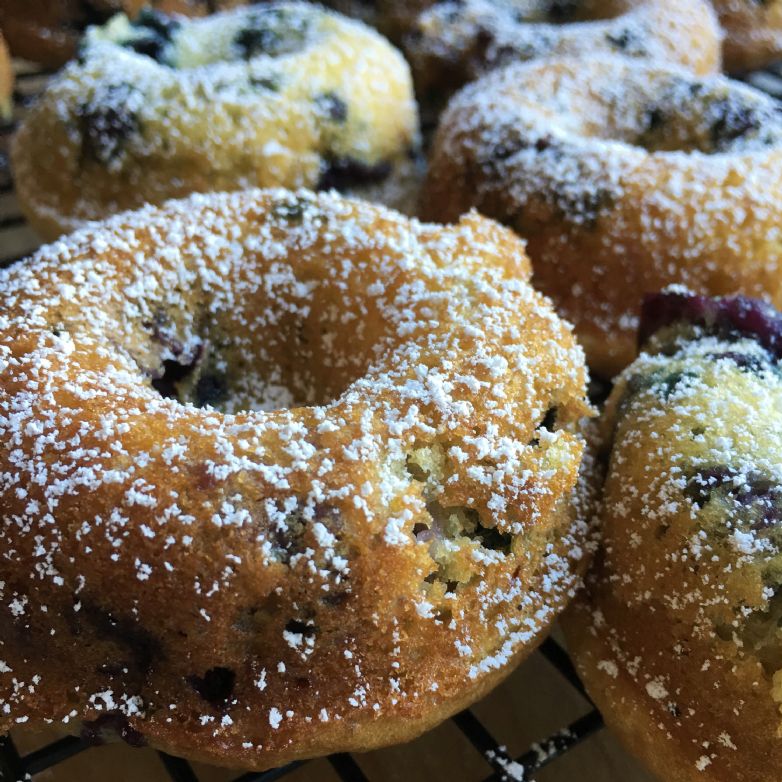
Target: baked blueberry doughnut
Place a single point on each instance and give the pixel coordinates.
(6, 82)
(48, 31)
(623, 178)
(452, 43)
(753, 33)
(279, 94)
(282, 474)
(678, 636)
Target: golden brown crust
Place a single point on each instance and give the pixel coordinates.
(753, 33)
(677, 636)
(250, 587)
(623, 178)
(450, 44)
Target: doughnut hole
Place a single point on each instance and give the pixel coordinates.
(292, 354)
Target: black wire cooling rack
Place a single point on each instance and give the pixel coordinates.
(501, 766)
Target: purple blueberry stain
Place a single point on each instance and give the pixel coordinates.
(729, 316)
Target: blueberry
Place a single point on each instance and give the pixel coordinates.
(758, 494)
(273, 33)
(342, 173)
(301, 628)
(269, 83)
(730, 316)
(106, 123)
(732, 121)
(291, 209)
(165, 26)
(744, 361)
(627, 41)
(150, 45)
(134, 640)
(152, 33)
(211, 389)
(332, 106)
(216, 686)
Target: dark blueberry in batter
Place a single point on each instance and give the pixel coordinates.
(150, 45)
(744, 361)
(585, 208)
(252, 42)
(667, 384)
(211, 389)
(333, 107)
(152, 34)
(216, 686)
(706, 481)
(758, 493)
(106, 125)
(342, 173)
(99, 731)
(272, 34)
(164, 26)
(137, 644)
(291, 209)
(732, 121)
(655, 119)
(626, 41)
(730, 316)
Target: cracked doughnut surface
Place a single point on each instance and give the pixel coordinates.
(282, 474)
(284, 94)
(623, 178)
(678, 636)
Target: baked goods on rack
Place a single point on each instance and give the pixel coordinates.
(452, 43)
(285, 474)
(678, 637)
(753, 33)
(282, 94)
(623, 178)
